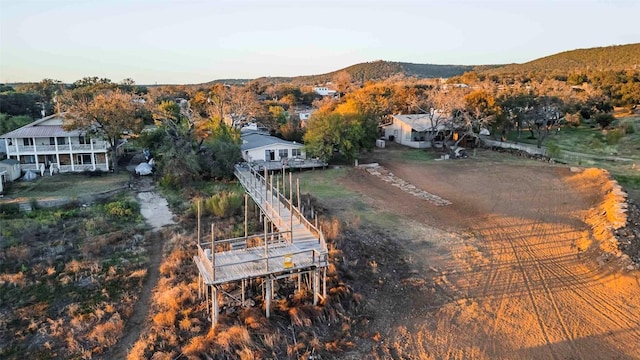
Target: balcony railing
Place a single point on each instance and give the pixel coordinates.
(66, 148)
(40, 168)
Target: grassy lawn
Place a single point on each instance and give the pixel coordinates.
(65, 185)
(590, 139)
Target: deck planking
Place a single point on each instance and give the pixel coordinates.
(305, 245)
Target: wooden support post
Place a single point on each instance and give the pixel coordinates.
(214, 306)
(266, 189)
(298, 193)
(291, 205)
(267, 295)
(213, 254)
(315, 287)
(199, 202)
(266, 247)
(299, 282)
(324, 282)
(246, 214)
(271, 189)
(206, 297)
(244, 281)
(278, 192)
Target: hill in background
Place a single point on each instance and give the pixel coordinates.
(615, 58)
(618, 57)
(375, 70)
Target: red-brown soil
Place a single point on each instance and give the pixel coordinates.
(509, 270)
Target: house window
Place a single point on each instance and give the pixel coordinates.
(296, 153)
(84, 139)
(84, 159)
(28, 159)
(283, 153)
(27, 141)
(52, 141)
(62, 141)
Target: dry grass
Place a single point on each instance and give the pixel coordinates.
(609, 213)
(236, 336)
(18, 279)
(330, 228)
(108, 333)
(165, 318)
(18, 253)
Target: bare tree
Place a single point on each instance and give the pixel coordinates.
(435, 104)
(109, 115)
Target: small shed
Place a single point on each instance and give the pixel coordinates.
(12, 168)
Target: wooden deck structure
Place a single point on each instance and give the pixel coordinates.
(289, 246)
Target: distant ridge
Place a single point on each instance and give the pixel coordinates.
(616, 58)
(375, 70)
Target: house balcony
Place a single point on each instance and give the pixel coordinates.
(51, 149)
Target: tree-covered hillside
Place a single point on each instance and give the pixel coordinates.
(616, 58)
(375, 70)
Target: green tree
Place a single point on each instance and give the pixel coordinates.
(331, 134)
(109, 115)
(278, 114)
(16, 103)
(10, 123)
(604, 120)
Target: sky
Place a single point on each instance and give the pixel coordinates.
(196, 41)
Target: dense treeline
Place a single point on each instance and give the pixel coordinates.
(369, 71)
(610, 58)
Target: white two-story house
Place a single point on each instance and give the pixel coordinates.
(44, 146)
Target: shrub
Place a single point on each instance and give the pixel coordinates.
(572, 119)
(554, 151)
(9, 209)
(165, 318)
(614, 136)
(122, 210)
(223, 204)
(627, 128)
(604, 120)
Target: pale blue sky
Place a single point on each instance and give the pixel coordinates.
(195, 41)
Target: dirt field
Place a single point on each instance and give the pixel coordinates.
(508, 270)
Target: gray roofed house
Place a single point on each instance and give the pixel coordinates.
(262, 147)
(272, 153)
(417, 130)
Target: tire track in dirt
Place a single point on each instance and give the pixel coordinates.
(532, 299)
(586, 294)
(519, 268)
(544, 234)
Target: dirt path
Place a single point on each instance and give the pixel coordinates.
(155, 210)
(518, 284)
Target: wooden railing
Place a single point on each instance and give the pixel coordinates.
(256, 179)
(314, 258)
(62, 148)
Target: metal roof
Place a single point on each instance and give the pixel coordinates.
(50, 126)
(256, 140)
(422, 122)
(40, 131)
